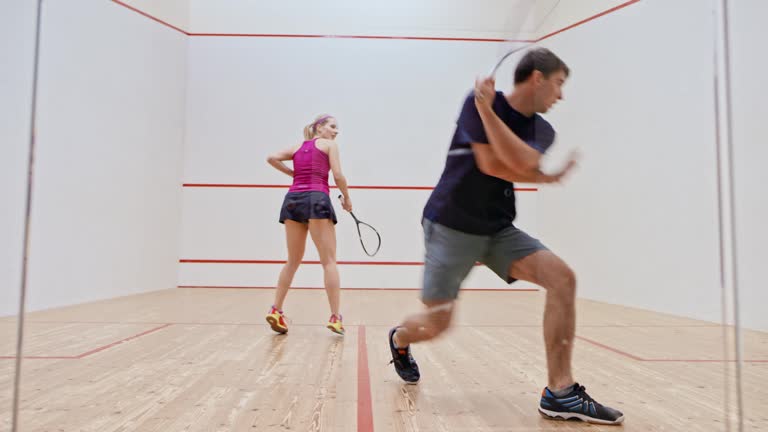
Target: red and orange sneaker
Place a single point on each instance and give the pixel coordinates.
(276, 320)
(335, 325)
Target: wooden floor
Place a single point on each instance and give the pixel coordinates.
(204, 360)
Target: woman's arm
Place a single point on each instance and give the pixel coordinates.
(276, 160)
(338, 176)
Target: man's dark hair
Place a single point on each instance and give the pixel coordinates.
(542, 60)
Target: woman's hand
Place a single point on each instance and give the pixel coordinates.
(346, 203)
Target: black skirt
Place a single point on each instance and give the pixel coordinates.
(303, 206)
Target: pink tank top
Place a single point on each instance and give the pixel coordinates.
(310, 169)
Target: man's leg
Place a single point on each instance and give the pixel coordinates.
(515, 255)
(450, 256)
(547, 270)
(425, 325)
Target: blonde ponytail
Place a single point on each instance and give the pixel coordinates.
(310, 130)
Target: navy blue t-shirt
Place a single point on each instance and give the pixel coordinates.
(467, 200)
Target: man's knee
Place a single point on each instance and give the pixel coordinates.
(563, 282)
(440, 317)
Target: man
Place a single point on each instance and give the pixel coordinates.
(499, 140)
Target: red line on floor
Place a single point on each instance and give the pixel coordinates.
(618, 326)
(364, 408)
(641, 359)
(39, 357)
(93, 351)
(598, 344)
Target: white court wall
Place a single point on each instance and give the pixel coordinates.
(173, 12)
(505, 19)
(630, 189)
(110, 139)
(554, 15)
(17, 28)
(638, 222)
(750, 149)
(248, 97)
(431, 18)
(522, 24)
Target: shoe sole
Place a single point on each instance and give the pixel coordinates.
(275, 324)
(333, 329)
(555, 415)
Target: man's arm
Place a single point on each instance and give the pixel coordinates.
(489, 164)
(508, 148)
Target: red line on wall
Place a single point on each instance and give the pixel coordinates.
(365, 263)
(276, 186)
(150, 17)
(319, 36)
(422, 38)
(374, 263)
(586, 20)
(348, 289)
(280, 186)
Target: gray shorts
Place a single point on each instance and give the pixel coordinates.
(451, 254)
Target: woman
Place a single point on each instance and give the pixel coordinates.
(307, 208)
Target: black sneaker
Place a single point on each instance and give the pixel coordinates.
(577, 405)
(404, 363)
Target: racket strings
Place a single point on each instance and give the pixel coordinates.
(369, 238)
